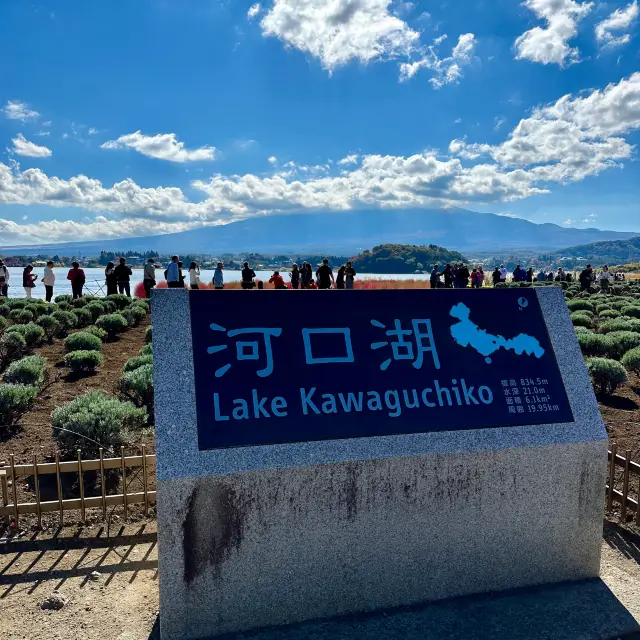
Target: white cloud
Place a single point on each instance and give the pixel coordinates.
(163, 146)
(445, 70)
(549, 45)
(339, 31)
(558, 143)
(42, 134)
(272, 160)
(92, 131)
(15, 110)
(254, 10)
(47, 123)
(571, 138)
(590, 219)
(350, 159)
(619, 20)
(22, 147)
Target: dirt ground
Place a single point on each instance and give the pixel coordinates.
(109, 579)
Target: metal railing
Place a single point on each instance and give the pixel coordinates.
(13, 508)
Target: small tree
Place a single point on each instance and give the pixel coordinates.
(12, 346)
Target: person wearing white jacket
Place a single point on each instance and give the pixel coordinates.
(48, 280)
(194, 275)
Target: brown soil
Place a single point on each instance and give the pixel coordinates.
(621, 414)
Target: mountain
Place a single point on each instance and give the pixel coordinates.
(609, 252)
(349, 233)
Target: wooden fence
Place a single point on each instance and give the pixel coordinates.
(623, 480)
(13, 508)
(629, 483)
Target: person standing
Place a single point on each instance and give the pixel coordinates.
(194, 276)
(530, 274)
(172, 274)
(110, 279)
(434, 279)
(218, 277)
(248, 276)
(295, 276)
(180, 274)
(496, 276)
(447, 274)
(149, 277)
(77, 278)
(542, 276)
(305, 276)
(503, 273)
(340, 277)
(350, 275)
(324, 275)
(604, 278)
(28, 280)
(4, 279)
(48, 280)
(586, 278)
(463, 276)
(123, 274)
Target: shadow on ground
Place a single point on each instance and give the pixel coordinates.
(584, 610)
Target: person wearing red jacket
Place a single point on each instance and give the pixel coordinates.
(77, 278)
(277, 280)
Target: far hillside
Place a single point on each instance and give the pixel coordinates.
(607, 252)
(404, 258)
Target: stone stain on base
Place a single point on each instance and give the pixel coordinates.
(212, 528)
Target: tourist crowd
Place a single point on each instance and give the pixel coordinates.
(452, 276)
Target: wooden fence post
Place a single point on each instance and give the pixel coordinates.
(37, 486)
(612, 472)
(14, 487)
(59, 479)
(625, 485)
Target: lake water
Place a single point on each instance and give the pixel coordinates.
(95, 280)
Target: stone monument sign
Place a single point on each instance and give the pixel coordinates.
(327, 453)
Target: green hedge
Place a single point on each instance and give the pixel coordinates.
(631, 360)
(580, 320)
(50, 325)
(12, 346)
(15, 399)
(623, 341)
(632, 311)
(606, 374)
(595, 344)
(99, 333)
(148, 335)
(113, 323)
(137, 385)
(28, 371)
(83, 361)
(32, 333)
(96, 420)
(21, 316)
(82, 341)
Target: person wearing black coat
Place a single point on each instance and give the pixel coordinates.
(123, 275)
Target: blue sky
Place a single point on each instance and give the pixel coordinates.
(131, 118)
